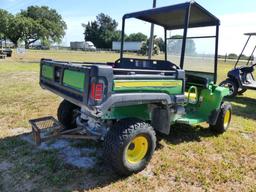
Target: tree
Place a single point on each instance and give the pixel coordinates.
(5, 18)
(232, 56)
(43, 24)
(244, 57)
(102, 31)
(33, 24)
(145, 47)
(160, 43)
(136, 37)
(16, 29)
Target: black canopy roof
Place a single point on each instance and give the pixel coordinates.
(173, 17)
(250, 34)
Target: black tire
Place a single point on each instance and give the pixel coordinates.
(67, 114)
(223, 120)
(119, 140)
(232, 85)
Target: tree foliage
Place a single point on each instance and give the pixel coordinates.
(160, 43)
(33, 24)
(16, 29)
(44, 24)
(136, 37)
(145, 47)
(232, 56)
(5, 18)
(102, 31)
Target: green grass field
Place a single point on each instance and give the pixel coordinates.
(190, 159)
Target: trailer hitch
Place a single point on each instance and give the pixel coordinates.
(48, 128)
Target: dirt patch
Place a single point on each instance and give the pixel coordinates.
(80, 157)
(248, 136)
(19, 131)
(5, 166)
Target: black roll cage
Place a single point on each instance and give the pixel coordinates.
(194, 16)
(246, 43)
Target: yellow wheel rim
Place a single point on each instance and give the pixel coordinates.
(137, 149)
(227, 118)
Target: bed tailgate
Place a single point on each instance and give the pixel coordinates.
(68, 80)
(75, 82)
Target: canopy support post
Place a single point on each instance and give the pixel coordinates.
(122, 40)
(186, 25)
(216, 53)
(165, 44)
(242, 51)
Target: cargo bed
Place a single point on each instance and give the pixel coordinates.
(98, 86)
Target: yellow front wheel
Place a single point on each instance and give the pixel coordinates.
(227, 118)
(224, 119)
(129, 146)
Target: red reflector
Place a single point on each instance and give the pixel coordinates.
(97, 91)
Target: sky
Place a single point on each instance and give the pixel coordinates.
(237, 16)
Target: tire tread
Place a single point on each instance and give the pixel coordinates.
(118, 136)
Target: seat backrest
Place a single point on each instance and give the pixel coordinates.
(196, 81)
(131, 63)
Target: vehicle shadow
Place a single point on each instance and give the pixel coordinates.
(50, 171)
(45, 168)
(186, 133)
(244, 107)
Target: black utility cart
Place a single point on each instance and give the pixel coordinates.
(241, 78)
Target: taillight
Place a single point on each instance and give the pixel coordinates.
(97, 91)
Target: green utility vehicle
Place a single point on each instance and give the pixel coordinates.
(126, 102)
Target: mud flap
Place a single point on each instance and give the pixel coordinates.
(161, 120)
(213, 117)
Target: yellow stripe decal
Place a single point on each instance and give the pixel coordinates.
(119, 84)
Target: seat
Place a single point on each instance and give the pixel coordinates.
(247, 69)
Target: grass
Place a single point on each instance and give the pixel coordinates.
(190, 159)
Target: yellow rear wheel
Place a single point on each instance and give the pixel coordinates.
(137, 149)
(129, 146)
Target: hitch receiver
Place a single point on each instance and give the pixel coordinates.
(48, 128)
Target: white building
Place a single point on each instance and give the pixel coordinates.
(128, 45)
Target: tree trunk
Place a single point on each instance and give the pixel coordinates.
(26, 44)
(14, 41)
(5, 39)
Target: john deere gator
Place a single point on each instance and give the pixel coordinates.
(125, 103)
